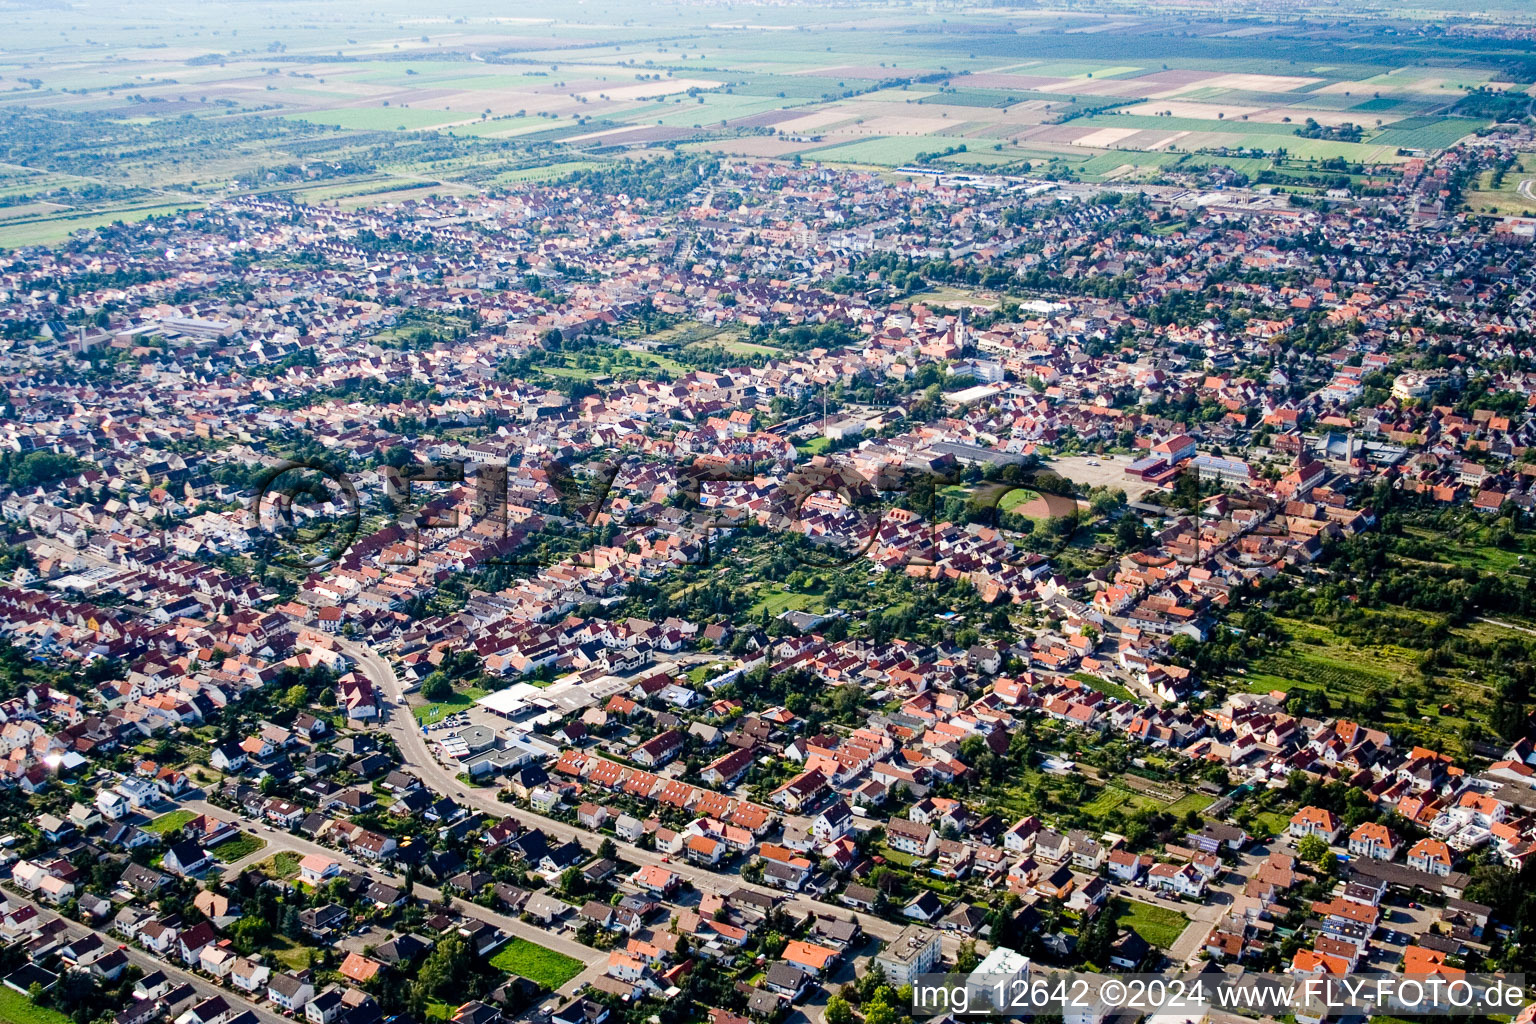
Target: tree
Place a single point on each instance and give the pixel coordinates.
(249, 934)
(838, 1011)
(878, 1010)
(437, 688)
(443, 971)
(1313, 849)
(966, 958)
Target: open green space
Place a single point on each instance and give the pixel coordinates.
(239, 847)
(284, 864)
(169, 822)
(1157, 925)
(815, 446)
(775, 602)
(16, 1008)
(435, 711)
(57, 228)
(536, 963)
(1104, 686)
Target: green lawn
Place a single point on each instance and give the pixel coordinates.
(947, 295)
(1114, 798)
(283, 864)
(536, 963)
(242, 845)
(746, 348)
(1104, 686)
(16, 1008)
(905, 860)
(777, 601)
(57, 228)
(1016, 497)
(1274, 821)
(1158, 926)
(169, 822)
(699, 673)
(1190, 802)
(431, 714)
(289, 953)
(815, 446)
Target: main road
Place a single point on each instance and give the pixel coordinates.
(418, 755)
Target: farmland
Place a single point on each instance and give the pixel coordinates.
(173, 114)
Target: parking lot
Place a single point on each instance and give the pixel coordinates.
(1100, 471)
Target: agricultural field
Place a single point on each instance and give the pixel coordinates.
(182, 113)
(1513, 193)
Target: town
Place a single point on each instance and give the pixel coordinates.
(724, 589)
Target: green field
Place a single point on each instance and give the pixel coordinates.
(169, 822)
(1160, 927)
(775, 602)
(284, 864)
(1196, 802)
(1113, 798)
(16, 1008)
(57, 229)
(239, 847)
(304, 105)
(890, 151)
(536, 963)
(1016, 497)
(948, 295)
(1104, 686)
(431, 714)
(1514, 195)
(382, 118)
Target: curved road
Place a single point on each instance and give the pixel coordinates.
(418, 756)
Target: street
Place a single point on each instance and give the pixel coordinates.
(418, 757)
(148, 963)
